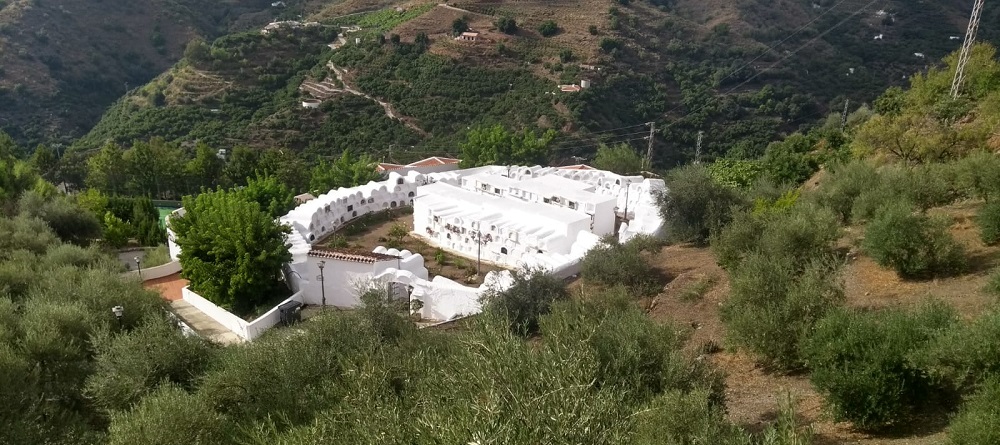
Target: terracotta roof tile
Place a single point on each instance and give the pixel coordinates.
(577, 167)
(385, 166)
(354, 256)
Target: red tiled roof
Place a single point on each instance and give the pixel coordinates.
(577, 167)
(432, 161)
(569, 88)
(350, 255)
(384, 167)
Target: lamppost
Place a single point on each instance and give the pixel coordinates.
(138, 266)
(322, 285)
(118, 311)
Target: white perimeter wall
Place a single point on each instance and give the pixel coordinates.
(152, 273)
(247, 330)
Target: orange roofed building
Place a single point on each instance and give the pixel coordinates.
(433, 164)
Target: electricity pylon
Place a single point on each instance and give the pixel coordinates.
(963, 57)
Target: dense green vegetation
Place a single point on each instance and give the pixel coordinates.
(232, 248)
(63, 63)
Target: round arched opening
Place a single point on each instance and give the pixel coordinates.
(503, 250)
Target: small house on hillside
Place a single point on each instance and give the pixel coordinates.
(468, 36)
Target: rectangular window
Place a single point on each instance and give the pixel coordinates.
(484, 187)
(546, 200)
(572, 205)
(496, 191)
(350, 208)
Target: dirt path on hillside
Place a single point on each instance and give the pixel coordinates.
(389, 111)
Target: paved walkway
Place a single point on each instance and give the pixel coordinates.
(204, 325)
(170, 288)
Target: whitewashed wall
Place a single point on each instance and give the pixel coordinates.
(152, 273)
(247, 330)
(175, 250)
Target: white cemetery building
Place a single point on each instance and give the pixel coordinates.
(512, 217)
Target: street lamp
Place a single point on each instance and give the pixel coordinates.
(138, 266)
(118, 311)
(322, 285)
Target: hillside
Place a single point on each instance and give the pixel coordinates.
(687, 65)
(62, 63)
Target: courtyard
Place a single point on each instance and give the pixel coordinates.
(392, 229)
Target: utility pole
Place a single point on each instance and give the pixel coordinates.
(697, 147)
(843, 117)
(649, 149)
(963, 57)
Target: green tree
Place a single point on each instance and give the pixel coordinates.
(130, 366)
(529, 297)
(232, 251)
(16, 177)
(67, 219)
(791, 160)
(861, 361)
(774, 302)
(495, 145)
(273, 197)
(8, 147)
(155, 168)
(459, 26)
(116, 231)
(695, 206)
(548, 28)
(107, 170)
(620, 158)
(913, 244)
(205, 169)
(170, 416)
(347, 171)
(44, 161)
(506, 25)
(244, 163)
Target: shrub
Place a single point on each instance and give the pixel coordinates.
(170, 416)
(634, 355)
(529, 297)
(592, 29)
(802, 233)
(156, 256)
(548, 28)
(978, 175)
(609, 44)
(774, 302)
(912, 244)
(131, 365)
(620, 264)
(566, 55)
(67, 219)
(694, 206)
(965, 356)
(978, 422)
(988, 219)
(844, 184)
(859, 360)
(506, 25)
